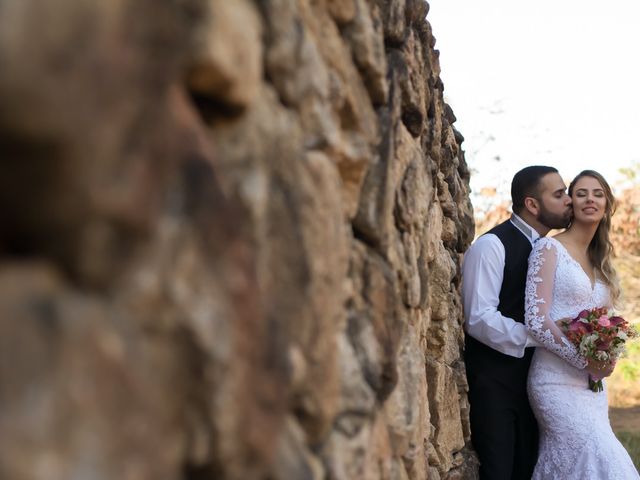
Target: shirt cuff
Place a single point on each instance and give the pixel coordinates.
(532, 342)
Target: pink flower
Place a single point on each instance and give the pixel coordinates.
(583, 314)
(579, 328)
(604, 321)
(616, 320)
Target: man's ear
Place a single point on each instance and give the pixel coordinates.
(532, 206)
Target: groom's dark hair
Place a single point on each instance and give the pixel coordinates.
(526, 183)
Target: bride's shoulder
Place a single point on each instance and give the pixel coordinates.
(545, 244)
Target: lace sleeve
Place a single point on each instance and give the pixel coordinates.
(538, 298)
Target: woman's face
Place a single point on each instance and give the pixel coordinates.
(589, 201)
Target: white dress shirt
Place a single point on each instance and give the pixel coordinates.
(482, 275)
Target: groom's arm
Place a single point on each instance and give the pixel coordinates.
(482, 275)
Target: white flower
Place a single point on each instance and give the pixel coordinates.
(587, 344)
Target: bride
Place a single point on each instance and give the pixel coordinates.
(569, 273)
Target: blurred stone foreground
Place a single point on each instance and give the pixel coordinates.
(230, 242)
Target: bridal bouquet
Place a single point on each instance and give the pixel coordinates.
(599, 335)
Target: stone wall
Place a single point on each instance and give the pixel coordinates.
(230, 242)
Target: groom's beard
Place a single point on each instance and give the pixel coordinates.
(554, 220)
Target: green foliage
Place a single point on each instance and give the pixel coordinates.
(631, 442)
(630, 371)
(633, 349)
(629, 365)
(632, 173)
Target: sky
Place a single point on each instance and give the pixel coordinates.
(552, 82)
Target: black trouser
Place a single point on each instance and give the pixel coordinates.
(504, 431)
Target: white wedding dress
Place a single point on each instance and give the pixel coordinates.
(576, 440)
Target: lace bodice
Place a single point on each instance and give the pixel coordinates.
(557, 287)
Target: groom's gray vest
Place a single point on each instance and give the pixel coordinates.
(508, 371)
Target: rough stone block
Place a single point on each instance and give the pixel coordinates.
(226, 62)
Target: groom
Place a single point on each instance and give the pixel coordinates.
(497, 353)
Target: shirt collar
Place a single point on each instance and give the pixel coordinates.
(526, 229)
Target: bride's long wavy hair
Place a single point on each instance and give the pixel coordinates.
(600, 249)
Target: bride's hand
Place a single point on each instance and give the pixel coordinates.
(600, 370)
